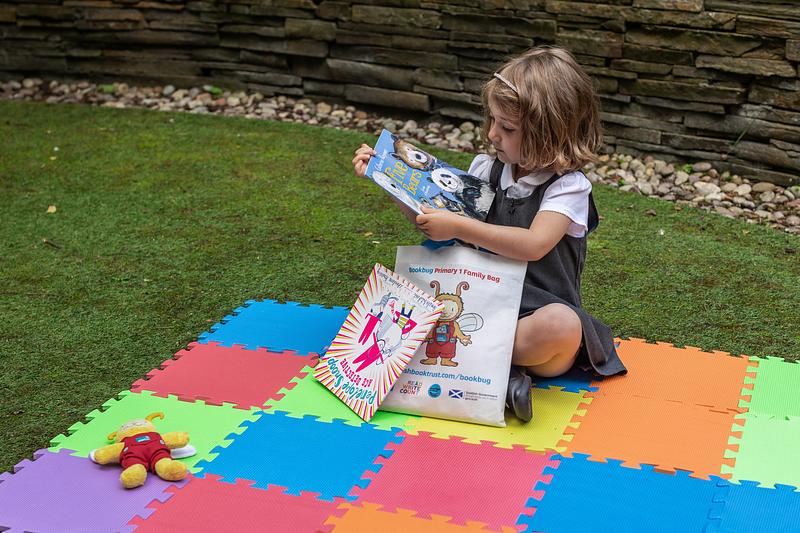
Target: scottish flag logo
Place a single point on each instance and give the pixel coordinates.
(457, 394)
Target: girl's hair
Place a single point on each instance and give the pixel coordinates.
(555, 105)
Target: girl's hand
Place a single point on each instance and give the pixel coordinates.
(363, 154)
(439, 224)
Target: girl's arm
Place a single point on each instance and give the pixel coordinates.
(547, 228)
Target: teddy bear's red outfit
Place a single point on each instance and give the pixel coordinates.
(143, 449)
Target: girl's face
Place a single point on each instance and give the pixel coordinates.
(505, 135)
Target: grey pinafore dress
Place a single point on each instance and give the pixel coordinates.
(556, 278)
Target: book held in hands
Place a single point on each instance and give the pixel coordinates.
(417, 178)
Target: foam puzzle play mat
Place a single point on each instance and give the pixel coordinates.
(687, 441)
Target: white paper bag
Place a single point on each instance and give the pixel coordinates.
(461, 371)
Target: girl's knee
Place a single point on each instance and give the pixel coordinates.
(560, 323)
(553, 324)
(552, 333)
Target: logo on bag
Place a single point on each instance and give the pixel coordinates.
(457, 394)
(434, 391)
(411, 388)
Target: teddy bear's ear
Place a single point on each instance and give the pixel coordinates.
(112, 436)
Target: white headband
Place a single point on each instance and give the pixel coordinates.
(504, 80)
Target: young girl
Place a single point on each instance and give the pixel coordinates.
(541, 120)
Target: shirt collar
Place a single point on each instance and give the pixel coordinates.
(525, 185)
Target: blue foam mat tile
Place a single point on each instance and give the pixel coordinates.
(746, 506)
(586, 495)
(575, 380)
(279, 326)
(302, 454)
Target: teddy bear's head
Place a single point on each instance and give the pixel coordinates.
(134, 427)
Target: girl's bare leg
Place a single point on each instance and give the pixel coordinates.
(547, 341)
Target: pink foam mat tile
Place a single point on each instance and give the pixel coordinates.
(219, 374)
(57, 492)
(447, 477)
(209, 505)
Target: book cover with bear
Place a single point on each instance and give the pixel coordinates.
(417, 178)
(386, 325)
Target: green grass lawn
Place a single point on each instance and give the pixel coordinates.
(166, 222)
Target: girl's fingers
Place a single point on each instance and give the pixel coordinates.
(362, 155)
(360, 159)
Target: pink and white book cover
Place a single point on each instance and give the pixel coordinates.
(386, 325)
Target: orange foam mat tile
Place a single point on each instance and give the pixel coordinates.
(365, 517)
(669, 435)
(689, 375)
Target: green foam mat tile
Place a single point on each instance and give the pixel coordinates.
(768, 450)
(553, 411)
(207, 425)
(307, 396)
(774, 388)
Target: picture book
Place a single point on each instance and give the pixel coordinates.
(386, 325)
(417, 178)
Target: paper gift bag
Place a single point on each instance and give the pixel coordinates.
(461, 370)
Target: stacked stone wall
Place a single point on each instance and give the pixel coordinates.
(713, 80)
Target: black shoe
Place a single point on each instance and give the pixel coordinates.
(518, 394)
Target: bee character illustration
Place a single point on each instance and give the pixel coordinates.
(451, 327)
(412, 156)
(475, 194)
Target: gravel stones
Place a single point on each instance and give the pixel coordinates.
(728, 195)
(763, 186)
(705, 188)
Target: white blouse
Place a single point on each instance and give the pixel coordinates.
(568, 196)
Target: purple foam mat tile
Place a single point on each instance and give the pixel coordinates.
(57, 492)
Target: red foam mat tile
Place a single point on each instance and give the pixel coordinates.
(218, 374)
(207, 505)
(468, 483)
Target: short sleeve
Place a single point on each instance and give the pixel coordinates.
(481, 167)
(569, 195)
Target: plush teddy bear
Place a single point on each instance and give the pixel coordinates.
(139, 448)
